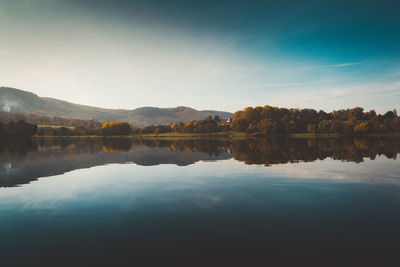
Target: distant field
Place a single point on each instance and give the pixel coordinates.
(54, 126)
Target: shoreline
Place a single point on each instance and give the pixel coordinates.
(221, 135)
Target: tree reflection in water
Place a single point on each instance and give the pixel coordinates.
(24, 162)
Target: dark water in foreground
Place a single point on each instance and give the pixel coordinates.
(275, 202)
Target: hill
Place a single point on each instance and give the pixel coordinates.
(15, 100)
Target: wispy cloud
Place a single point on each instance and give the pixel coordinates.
(379, 96)
(369, 171)
(272, 85)
(343, 65)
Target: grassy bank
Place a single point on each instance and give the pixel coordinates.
(172, 135)
(220, 135)
(233, 135)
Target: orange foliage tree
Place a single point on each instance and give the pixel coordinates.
(116, 128)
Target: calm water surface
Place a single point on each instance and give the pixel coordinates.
(277, 202)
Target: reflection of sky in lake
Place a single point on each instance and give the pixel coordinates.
(380, 170)
(126, 184)
(201, 209)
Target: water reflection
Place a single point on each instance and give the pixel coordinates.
(25, 162)
(284, 150)
(217, 212)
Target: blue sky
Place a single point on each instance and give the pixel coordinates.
(204, 54)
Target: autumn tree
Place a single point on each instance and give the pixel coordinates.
(116, 128)
(272, 120)
(362, 128)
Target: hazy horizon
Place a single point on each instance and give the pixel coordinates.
(208, 55)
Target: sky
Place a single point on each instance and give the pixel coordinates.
(222, 55)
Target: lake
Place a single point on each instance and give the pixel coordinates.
(256, 202)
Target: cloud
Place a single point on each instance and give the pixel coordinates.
(266, 85)
(381, 170)
(126, 63)
(380, 96)
(344, 65)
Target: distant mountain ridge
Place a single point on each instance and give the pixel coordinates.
(16, 100)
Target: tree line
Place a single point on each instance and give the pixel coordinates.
(265, 120)
(208, 125)
(270, 120)
(106, 129)
(46, 120)
(17, 129)
(273, 121)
